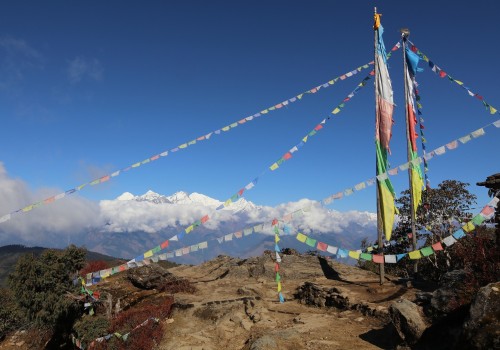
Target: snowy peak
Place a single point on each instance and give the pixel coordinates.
(183, 198)
(126, 196)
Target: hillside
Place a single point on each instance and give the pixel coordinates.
(9, 254)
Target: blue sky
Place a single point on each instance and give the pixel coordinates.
(88, 88)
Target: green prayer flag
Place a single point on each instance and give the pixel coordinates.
(310, 242)
(477, 220)
(366, 256)
(426, 251)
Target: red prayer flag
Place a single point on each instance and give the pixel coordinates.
(437, 246)
(240, 192)
(378, 258)
(204, 219)
(164, 245)
(287, 156)
(318, 127)
(50, 200)
(442, 74)
(276, 267)
(322, 246)
(275, 222)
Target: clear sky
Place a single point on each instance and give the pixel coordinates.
(88, 88)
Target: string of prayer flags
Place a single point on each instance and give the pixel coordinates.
(443, 74)
(394, 258)
(184, 145)
(428, 156)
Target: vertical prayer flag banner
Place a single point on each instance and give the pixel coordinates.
(383, 127)
(411, 122)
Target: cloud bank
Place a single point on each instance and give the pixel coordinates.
(42, 225)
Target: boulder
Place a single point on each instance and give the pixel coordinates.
(407, 320)
(149, 276)
(449, 296)
(482, 329)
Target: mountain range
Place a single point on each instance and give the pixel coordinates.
(130, 224)
(134, 224)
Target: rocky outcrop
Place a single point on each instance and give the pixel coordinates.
(482, 329)
(406, 318)
(149, 277)
(312, 294)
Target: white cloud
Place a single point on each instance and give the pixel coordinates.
(130, 215)
(48, 222)
(81, 68)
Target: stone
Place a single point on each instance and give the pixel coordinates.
(407, 320)
(482, 329)
(149, 276)
(448, 296)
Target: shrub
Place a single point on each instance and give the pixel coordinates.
(142, 337)
(89, 328)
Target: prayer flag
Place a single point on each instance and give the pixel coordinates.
(322, 246)
(426, 251)
(354, 254)
(450, 240)
(458, 234)
(437, 246)
(383, 126)
(390, 259)
(310, 242)
(468, 227)
(301, 237)
(331, 249)
(366, 256)
(415, 254)
(378, 258)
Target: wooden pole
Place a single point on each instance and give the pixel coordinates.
(379, 219)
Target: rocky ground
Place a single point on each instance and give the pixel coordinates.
(328, 306)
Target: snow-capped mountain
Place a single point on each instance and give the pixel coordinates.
(183, 198)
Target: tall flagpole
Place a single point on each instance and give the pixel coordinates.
(379, 210)
(405, 33)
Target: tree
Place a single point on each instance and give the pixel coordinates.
(436, 217)
(41, 284)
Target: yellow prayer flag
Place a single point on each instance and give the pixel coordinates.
(301, 237)
(353, 254)
(336, 110)
(136, 165)
(304, 139)
(459, 82)
(415, 254)
(189, 229)
(28, 208)
(226, 128)
(279, 286)
(274, 166)
(148, 254)
(184, 145)
(276, 238)
(300, 96)
(468, 227)
(228, 202)
(264, 111)
(492, 110)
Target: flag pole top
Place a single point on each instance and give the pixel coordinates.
(405, 33)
